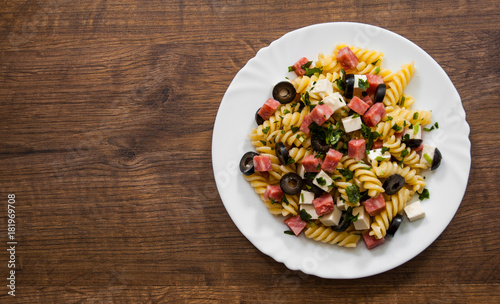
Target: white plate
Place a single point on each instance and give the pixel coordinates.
(251, 87)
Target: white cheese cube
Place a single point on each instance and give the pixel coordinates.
(364, 219)
(414, 133)
(306, 197)
(427, 154)
(334, 101)
(351, 123)
(357, 78)
(341, 204)
(322, 87)
(332, 218)
(301, 171)
(414, 211)
(376, 154)
(324, 181)
(310, 209)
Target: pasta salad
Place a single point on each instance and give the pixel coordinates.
(339, 150)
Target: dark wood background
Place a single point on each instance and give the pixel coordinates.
(106, 116)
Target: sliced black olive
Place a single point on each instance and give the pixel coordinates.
(310, 186)
(413, 143)
(284, 92)
(258, 119)
(349, 85)
(436, 161)
(395, 223)
(291, 183)
(343, 224)
(246, 163)
(319, 145)
(282, 153)
(380, 93)
(393, 184)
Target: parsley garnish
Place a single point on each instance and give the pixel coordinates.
(384, 149)
(389, 117)
(370, 136)
(353, 194)
(348, 174)
(349, 217)
(302, 197)
(321, 181)
(415, 128)
(306, 65)
(379, 158)
(295, 129)
(428, 158)
(402, 102)
(304, 215)
(377, 70)
(289, 232)
(290, 161)
(435, 126)
(415, 116)
(305, 99)
(263, 142)
(424, 194)
(286, 112)
(363, 84)
(310, 72)
(285, 200)
(329, 135)
(265, 130)
(291, 68)
(396, 128)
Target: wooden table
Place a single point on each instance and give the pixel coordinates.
(107, 110)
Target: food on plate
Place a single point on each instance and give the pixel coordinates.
(339, 151)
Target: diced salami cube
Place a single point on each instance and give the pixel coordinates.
(374, 115)
(358, 105)
(320, 114)
(331, 161)
(262, 163)
(375, 205)
(373, 81)
(347, 58)
(311, 163)
(267, 110)
(273, 192)
(377, 144)
(305, 124)
(323, 204)
(368, 100)
(371, 242)
(357, 148)
(297, 66)
(296, 224)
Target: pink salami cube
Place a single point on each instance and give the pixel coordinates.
(323, 204)
(374, 115)
(375, 205)
(331, 161)
(377, 144)
(347, 58)
(296, 224)
(371, 242)
(358, 105)
(311, 163)
(262, 163)
(357, 148)
(320, 114)
(267, 110)
(273, 192)
(373, 81)
(368, 100)
(297, 66)
(305, 124)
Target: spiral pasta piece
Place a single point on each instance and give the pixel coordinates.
(363, 55)
(363, 173)
(328, 62)
(396, 86)
(394, 205)
(411, 176)
(412, 116)
(398, 149)
(321, 233)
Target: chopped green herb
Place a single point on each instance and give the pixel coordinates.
(290, 161)
(289, 232)
(415, 128)
(295, 129)
(304, 215)
(272, 201)
(370, 136)
(396, 128)
(291, 68)
(363, 84)
(353, 194)
(348, 174)
(349, 217)
(406, 137)
(285, 200)
(286, 111)
(389, 118)
(310, 72)
(263, 142)
(379, 158)
(385, 149)
(415, 116)
(305, 99)
(265, 130)
(306, 65)
(428, 158)
(356, 115)
(424, 194)
(405, 153)
(375, 62)
(283, 132)
(377, 70)
(340, 83)
(402, 102)
(302, 197)
(321, 181)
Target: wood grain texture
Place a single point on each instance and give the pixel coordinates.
(106, 116)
